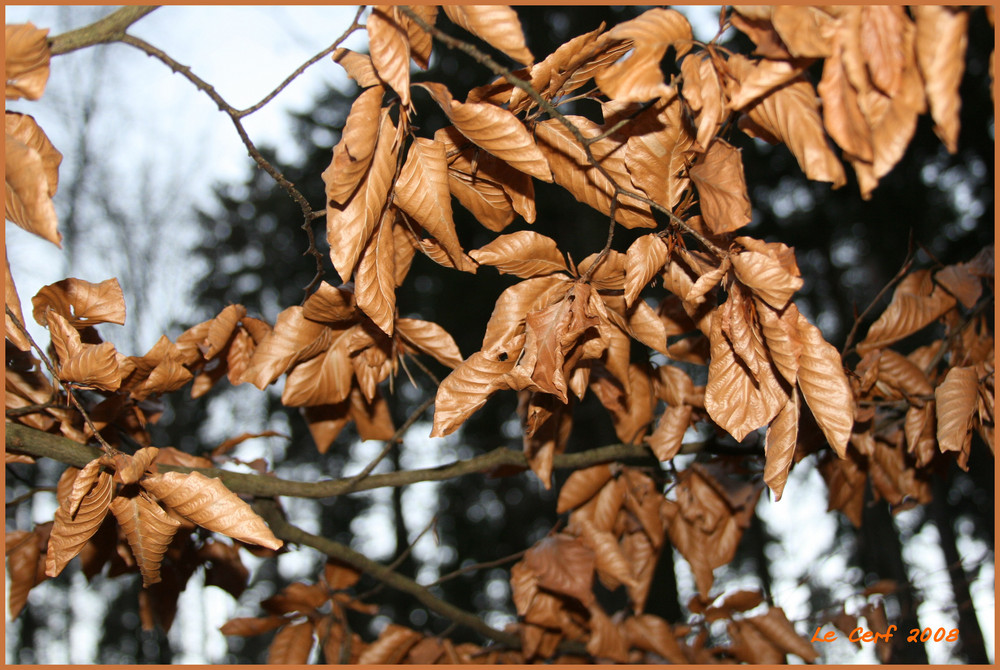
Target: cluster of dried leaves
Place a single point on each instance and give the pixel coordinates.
(656, 162)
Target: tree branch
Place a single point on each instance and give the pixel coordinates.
(268, 509)
(39, 443)
(109, 29)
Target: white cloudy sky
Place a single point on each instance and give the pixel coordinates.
(161, 118)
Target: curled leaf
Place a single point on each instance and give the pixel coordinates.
(26, 61)
(32, 175)
(207, 502)
(72, 530)
(81, 302)
(148, 530)
(498, 25)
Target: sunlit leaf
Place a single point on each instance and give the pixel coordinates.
(639, 78)
(294, 338)
(643, 261)
(824, 386)
(207, 502)
(524, 253)
(358, 67)
(718, 174)
(956, 398)
(26, 61)
(32, 175)
(494, 129)
(941, 44)
(497, 25)
(72, 530)
(349, 227)
(389, 46)
(375, 279)
(148, 529)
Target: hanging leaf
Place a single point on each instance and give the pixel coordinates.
(651, 633)
(916, 302)
(666, 439)
(349, 227)
(358, 67)
(572, 170)
(291, 645)
(639, 78)
(390, 647)
(375, 280)
(293, 339)
(718, 174)
(941, 43)
(581, 485)
(517, 301)
(81, 302)
(769, 269)
(324, 379)
(353, 153)
(497, 25)
(430, 338)
(956, 401)
(659, 150)
(207, 502)
(32, 175)
(421, 41)
(422, 192)
(494, 129)
(825, 387)
(148, 530)
(470, 385)
(26, 61)
(389, 46)
(643, 261)
(779, 445)
(72, 530)
(525, 254)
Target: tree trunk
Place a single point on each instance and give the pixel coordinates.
(971, 646)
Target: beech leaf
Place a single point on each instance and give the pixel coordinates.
(375, 281)
(207, 502)
(718, 174)
(525, 254)
(956, 402)
(26, 61)
(148, 530)
(291, 645)
(294, 338)
(430, 338)
(358, 67)
(824, 386)
(941, 43)
(638, 77)
(72, 530)
(390, 647)
(779, 445)
(32, 175)
(81, 302)
(389, 46)
(497, 25)
(643, 261)
(495, 130)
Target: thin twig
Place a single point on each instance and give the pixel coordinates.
(478, 566)
(903, 270)
(302, 68)
(108, 449)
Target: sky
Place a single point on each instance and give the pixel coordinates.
(159, 118)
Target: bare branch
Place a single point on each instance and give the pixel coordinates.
(109, 29)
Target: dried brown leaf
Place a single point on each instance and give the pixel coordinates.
(32, 175)
(666, 439)
(525, 254)
(718, 174)
(14, 334)
(148, 529)
(72, 530)
(252, 625)
(493, 129)
(497, 25)
(791, 114)
(916, 302)
(769, 269)
(358, 67)
(207, 502)
(563, 564)
(470, 385)
(293, 339)
(956, 401)
(651, 633)
(349, 226)
(430, 338)
(26, 61)
(779, 445)
(638, 77)
(375, 279)
(659, 151)
(389, 46)
(390, 647)
(422, 192)
(291, 645)
(779, 630)
(517, 301)
(81, 302)
(353, 153)
(941, 43)
(323, 380)
(581, 485)
(824, 386)
(643, 261)
(572, 170)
